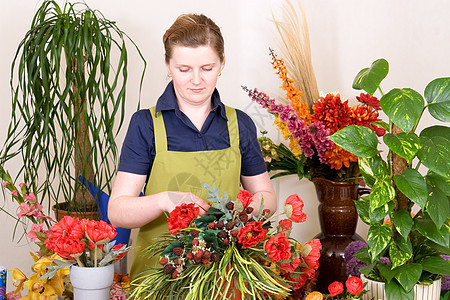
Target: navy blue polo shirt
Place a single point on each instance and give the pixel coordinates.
(138, 149)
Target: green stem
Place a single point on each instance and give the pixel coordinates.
(273, 216)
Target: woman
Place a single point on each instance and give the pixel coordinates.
(190, 137)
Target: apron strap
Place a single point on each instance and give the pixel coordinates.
(159, 130)
(233, 127)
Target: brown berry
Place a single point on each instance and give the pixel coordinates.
(212, 225)
(195, 242)
(249, 210)
(229, 226)
(226, 242)
(205, 261)
(194, 232)
(199, 253)
(220, 225)
(234, 233)
(266, 212)
(243, 217)
(230, 205)
(206, 254)
(190, 256)
(163, 261)
(175, 274)
(197, 259)
(214, 257)
(178, 251)
(168, 269)
(223, 234)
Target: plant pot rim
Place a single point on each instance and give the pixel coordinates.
(417, 283)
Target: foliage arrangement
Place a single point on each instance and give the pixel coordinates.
(417, 205)
(68, 82)
(227, 253)
(87, 243)
(355, 290)
(310, 152)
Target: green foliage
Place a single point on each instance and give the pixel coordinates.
(413, 244)
(68, 82)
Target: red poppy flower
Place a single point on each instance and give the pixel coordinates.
(335, 288)
(182, 216)
(251, 234)
(294, 208)
(291, 266)
(354, 285)
(65, 246)
(245, 197)
(285, 224)
(298, 278)
(278, 247)
(312, 259)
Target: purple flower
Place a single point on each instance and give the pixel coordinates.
(353, 265)
(385, 260)
(445, 286)
(352, 249)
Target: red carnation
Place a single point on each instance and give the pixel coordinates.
(335, 288)
(251, 234)
(182, 216)
(369, 100)
(99, 232)
(65, 246)
(294, 208)
(354, 285)
(245, 197)
(278, 247)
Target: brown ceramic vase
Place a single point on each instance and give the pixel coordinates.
(338, 219)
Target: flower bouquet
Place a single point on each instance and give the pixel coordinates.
(229, 253)
(310, 152)
(84, 242)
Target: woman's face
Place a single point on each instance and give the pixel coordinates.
(194, 72)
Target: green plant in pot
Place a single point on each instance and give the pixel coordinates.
(68, 81)
(417, 203)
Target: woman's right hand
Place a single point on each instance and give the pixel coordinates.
(171, 199)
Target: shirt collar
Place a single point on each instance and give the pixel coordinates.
(168, 101)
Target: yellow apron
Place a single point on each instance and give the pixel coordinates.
(185, 171)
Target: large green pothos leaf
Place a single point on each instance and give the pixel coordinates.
(436, 130)
(358, 140)
(403, 222)
(437, 94)
(435, 154)
(362, 206)
(437, 206)
(369, 79)
(413, 185)
(378, 238)
(405, 144)
(403, 244)
(398, 257)
(436, 265)
(387, 271)
(403, 107)
(378, 214)
(438, 181)
(428, 229)
(394, 291)
(382, 193)
(409, 275)
(372, 168)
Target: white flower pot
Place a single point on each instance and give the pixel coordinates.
(92, 283)
(421, 292)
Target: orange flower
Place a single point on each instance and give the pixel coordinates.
(332, 112)
(314, 296)
(338, 157)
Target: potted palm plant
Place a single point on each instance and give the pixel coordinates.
(68, 81)
(416, 205)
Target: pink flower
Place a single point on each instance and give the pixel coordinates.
(25, 210)
(21, 185)
(15, 193)
(30, 197)
(34, 228)
(5, 183)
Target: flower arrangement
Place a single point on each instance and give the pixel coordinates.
(354, 286)
(409, 184)
(87, 243)
(310, 153)
(227, 253)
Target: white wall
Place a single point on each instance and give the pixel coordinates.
(346, 35)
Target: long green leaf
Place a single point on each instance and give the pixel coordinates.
(437, 94)
(358, 140)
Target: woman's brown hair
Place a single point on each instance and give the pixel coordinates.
(193, 30)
